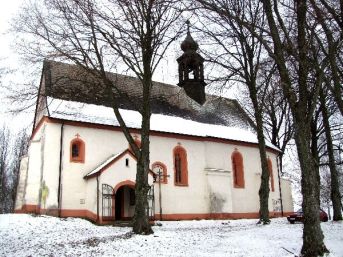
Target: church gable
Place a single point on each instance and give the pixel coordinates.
(123, 164)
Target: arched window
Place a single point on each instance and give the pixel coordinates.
(161, 170)
(180, 166)
(77, 150)
(238, 169)
(270, 169)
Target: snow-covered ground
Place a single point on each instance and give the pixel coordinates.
(25, 235)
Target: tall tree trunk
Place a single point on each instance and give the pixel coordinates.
(335, 194)
(264, 187)
(314, 150)
(141, 223)
(313, 238)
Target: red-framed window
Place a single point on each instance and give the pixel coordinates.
(77, 150)
(238, 169)
(180, 166)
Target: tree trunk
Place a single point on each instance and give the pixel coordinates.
(264, 187)
(141, 223)
(335, 194)
(313, 238)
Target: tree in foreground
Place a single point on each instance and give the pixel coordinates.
(96, 36)
(334, 176)
(302, 98)
(239, 53)
(287, 42)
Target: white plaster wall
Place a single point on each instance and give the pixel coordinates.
(34, 173)
(90, 202)
(34, 167)
(218, 156)
(193, 198)
(51, 163)
(274, 197)
(220, 191)
(21, 183)
(287, 200)
(100, 144)
(119, 172)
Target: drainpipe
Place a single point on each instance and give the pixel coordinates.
(160, 193)
(97, 199)
(59, 196)
(278, 174)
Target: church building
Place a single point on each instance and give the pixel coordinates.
(204, 154)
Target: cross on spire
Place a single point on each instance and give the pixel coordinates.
(188, 26)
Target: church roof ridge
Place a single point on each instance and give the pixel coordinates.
(72, 83)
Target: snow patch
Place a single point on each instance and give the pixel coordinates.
(25, 235)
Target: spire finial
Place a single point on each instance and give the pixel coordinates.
(188, 25)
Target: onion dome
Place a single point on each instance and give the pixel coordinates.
(189, 43)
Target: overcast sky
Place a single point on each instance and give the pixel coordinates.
(7, 10)
(167, 71)
(9, 59)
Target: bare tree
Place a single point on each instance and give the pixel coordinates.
(277, 115)
(335, 193)
(20, 147)
(240, 54)
(96, 36)
(329, 15)
(4, 165)
(287, 42)
(302, 99)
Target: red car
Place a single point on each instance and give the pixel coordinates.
(299, 216)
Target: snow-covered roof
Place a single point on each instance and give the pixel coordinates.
(73, 83)
(76, 111)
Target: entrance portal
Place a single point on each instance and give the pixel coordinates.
(124, 202)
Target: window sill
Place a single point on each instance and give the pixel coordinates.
(181, 185)
(77, 161)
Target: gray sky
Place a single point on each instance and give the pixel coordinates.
(7, 10)
(8, 58)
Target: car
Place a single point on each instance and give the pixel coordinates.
(299, 216)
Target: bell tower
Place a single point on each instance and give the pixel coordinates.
(191, 69)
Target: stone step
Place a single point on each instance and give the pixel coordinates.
(121, 223)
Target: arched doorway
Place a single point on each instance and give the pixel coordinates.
(124, 203)
(124, 200)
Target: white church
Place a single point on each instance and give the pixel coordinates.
(204, 154)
